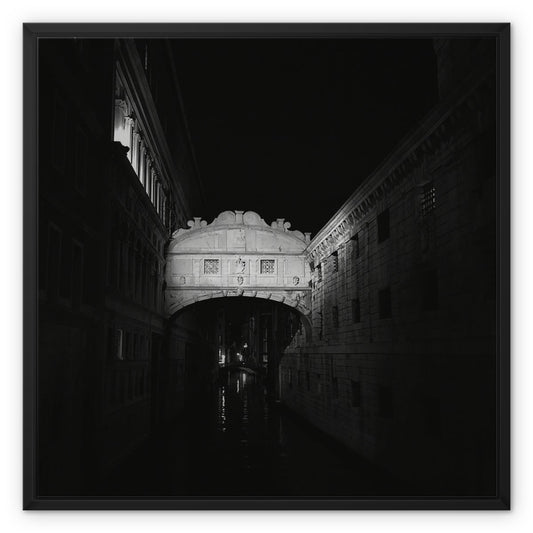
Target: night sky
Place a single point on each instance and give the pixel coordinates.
(290, 127)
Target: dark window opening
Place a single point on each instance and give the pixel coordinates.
(335, 316)
(81, 161)
(355, 246)
(65, 285)
(59, 134)
(356, 394)
(356, 311)
(53, 261)
(431, 416)
(428, 199)
(385, 402)
(430, 290)
(335, 387)
(383, 226)
(385, 310)
(335, 261)
(319, 272)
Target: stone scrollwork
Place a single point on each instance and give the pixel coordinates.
(241, 218)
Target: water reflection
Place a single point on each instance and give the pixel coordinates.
(237, 444)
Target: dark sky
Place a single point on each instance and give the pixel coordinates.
(290, 127)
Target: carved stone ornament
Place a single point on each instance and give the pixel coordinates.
(241, 265)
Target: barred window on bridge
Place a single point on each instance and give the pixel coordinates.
(267, 266)
(211, 266)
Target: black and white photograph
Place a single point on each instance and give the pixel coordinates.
(266, 266)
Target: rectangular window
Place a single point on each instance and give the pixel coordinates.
(431, 413)
(142, 164)
(267, 266)
(211, 266)
(430, 290)
(78, 285)
(81, 161)
(335, 261)
(335, 387)
(119, 340)
(356, 393)
(383, 226)
(43, 247)
(335, 316)
(53, 260)
(65, 282)
(149, 180)
(356, 311)
(385, 402)
(428, 199)
(59, 134)
(385, 310)
(355, 246)
(319, 272)
(290, 378)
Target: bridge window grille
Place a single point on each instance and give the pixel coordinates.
(428, 199)
(267, 266)
(211, 266)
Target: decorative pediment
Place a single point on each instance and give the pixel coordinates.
(240, 218)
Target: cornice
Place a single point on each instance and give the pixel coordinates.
(447, 120)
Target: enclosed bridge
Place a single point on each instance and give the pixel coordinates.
(238, 255)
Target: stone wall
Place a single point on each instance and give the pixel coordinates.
(402, 360)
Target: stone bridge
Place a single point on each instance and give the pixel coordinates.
(238, 254)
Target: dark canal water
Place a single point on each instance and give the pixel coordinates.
(238, 444)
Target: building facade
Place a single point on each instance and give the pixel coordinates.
(401, 363)
(117, 177)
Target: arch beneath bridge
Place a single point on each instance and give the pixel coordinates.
(238, 254)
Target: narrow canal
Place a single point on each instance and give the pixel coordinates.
(239, 444)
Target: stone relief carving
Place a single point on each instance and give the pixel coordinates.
(240, 265)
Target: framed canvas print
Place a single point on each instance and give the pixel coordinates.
(266, 266)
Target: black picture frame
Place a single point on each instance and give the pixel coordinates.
(33, 32)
